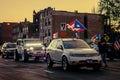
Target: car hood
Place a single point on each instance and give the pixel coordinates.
(84, 50)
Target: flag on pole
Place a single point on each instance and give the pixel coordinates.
(116, 45)
(97, 36)
(55, 35)
(76, 26)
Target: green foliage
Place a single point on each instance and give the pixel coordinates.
(111, 9)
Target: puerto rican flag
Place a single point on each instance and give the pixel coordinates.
(96, 36)
(55, 35)
(76, 26)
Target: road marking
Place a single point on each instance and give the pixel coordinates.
(48, 71)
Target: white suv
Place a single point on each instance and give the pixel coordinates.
(71, 52)
(27, 48)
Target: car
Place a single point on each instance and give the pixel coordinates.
(71, 53)
(8, 49)
(29, 48)
(0, 50)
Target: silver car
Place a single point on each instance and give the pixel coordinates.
(29, 48)
(71, 52)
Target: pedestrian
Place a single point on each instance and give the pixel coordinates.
(102, 50)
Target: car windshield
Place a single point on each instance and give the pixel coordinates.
(75, 44)
(11, 45)
(33, 43)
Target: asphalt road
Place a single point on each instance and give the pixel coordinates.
(10, 70)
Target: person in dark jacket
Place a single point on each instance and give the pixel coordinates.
(102, 50)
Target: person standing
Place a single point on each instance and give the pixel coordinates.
(102, 50)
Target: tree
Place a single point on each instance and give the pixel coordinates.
(110, 9)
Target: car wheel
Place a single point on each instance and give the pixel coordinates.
(3, 56)
(65, 64)
(49, 61)
(16, 56)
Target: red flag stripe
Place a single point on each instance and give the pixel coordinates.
(117, 45)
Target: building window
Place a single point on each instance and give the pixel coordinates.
(49, 32)
(49, 21)
(45, 22)
(63, 26)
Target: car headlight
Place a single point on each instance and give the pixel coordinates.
(30, 49)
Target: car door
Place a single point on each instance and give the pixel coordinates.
(58, 51)
(54, 50)
(20, 46)
(51, 49)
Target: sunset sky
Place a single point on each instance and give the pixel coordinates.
(18, 10)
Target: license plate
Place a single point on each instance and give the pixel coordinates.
(89, 61)
(38, 52)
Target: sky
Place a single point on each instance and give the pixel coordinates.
(18, 10)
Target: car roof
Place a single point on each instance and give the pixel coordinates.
(9, 43)
(66, 39)
(29, 39)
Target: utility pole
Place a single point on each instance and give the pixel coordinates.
(86, 25)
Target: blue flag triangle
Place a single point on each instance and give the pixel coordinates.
(79, 25)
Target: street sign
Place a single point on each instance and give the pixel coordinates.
(107, 38)
(63, 26)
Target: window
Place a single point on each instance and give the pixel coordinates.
(49, 21)
(63, 26)
(49, 32)
(45, 22)
(70, 44)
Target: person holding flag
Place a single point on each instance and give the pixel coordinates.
(102, 45)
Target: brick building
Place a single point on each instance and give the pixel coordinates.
(52, 21)
(24, 29)
(6, 31)
(48, 21)
(0, 34)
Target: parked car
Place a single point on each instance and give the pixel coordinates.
(8, 49)
(27, 48)
(72, 53)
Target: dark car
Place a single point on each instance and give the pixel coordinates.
(8, 49)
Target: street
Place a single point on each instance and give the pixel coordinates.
(11, 70)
